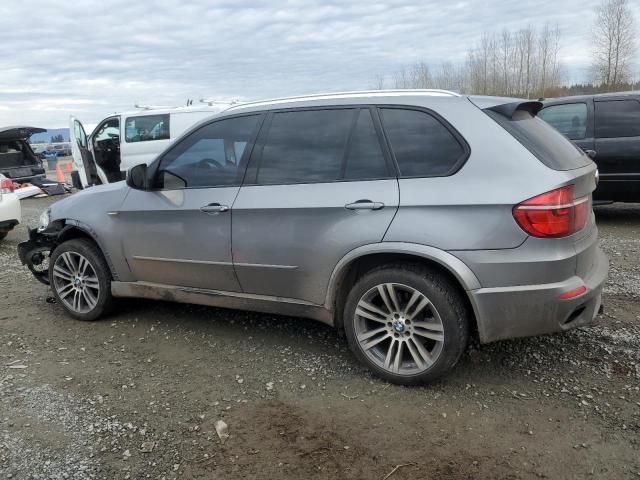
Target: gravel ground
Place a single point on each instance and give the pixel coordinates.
(138, 395)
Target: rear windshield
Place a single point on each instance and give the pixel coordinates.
(541, 139)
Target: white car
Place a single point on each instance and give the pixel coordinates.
(10, 211)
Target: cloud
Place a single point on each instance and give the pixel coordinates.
(94, 58)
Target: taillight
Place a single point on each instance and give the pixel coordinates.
(553, 214)
(6, 186)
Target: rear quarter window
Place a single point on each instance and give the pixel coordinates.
(422, 145)
(542, 140)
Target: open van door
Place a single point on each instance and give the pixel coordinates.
(83, 160)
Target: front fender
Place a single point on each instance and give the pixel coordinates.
(37, 249)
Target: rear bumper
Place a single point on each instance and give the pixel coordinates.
(522, 311)
(10, 212)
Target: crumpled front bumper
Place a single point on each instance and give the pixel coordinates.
(34, 253)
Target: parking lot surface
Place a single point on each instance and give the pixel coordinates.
(137, 395)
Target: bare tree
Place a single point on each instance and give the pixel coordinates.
(548, 50)
(379, 82)
(614, 43)
(527, 52)
(522, 63)
(449, 77)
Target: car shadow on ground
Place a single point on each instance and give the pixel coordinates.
(617, 213)
(516, 358)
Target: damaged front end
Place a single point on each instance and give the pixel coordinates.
(35, 252)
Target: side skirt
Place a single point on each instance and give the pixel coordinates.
(215, 298)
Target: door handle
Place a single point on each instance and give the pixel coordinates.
(364, 205)
(591, 153)
(214, 208)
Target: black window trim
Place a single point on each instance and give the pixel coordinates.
(242, 163)
(251, 173)
(168, 115)
(583, 102)
(466, 149)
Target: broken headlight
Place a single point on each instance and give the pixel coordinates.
(44, 220)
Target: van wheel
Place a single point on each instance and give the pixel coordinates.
(80, 279)
(3, 235)
(409, 325)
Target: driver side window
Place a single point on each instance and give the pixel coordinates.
(208, 157)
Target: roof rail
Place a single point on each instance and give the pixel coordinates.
(152, 107)
(358, 93)
(220, 101)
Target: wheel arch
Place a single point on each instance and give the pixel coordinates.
(363, 259)
(75, 229)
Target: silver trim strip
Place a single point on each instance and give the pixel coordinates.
(262, 265)
(208, 262)
(180, 260)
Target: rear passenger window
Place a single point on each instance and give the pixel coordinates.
(313, 146)
(617, 118)
(569, 119)
(422, 145)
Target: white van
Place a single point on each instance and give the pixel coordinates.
(123, 140)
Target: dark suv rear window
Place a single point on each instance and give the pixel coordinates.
(617, 118)
(541, 139)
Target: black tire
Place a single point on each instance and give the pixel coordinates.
(3, 235)
(94, 256)
(442, 294)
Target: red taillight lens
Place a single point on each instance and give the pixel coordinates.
(6, 186)
(553, 214)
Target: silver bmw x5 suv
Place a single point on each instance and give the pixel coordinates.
(410, 220)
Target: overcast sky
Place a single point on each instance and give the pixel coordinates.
(93, 58)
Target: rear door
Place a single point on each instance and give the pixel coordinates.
(617, 146)
(319, 185)
(83, 160)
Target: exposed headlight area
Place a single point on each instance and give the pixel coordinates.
(43, 222)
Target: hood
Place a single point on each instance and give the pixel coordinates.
(21, 133)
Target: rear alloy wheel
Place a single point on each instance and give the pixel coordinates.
(408, 325)
(80, 279)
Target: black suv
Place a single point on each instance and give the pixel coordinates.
(607, 126)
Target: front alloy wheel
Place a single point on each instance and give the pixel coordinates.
(80, 279)
(76, 282)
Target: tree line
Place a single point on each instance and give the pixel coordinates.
(527, 62)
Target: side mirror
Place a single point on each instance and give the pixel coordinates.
(137, 177)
